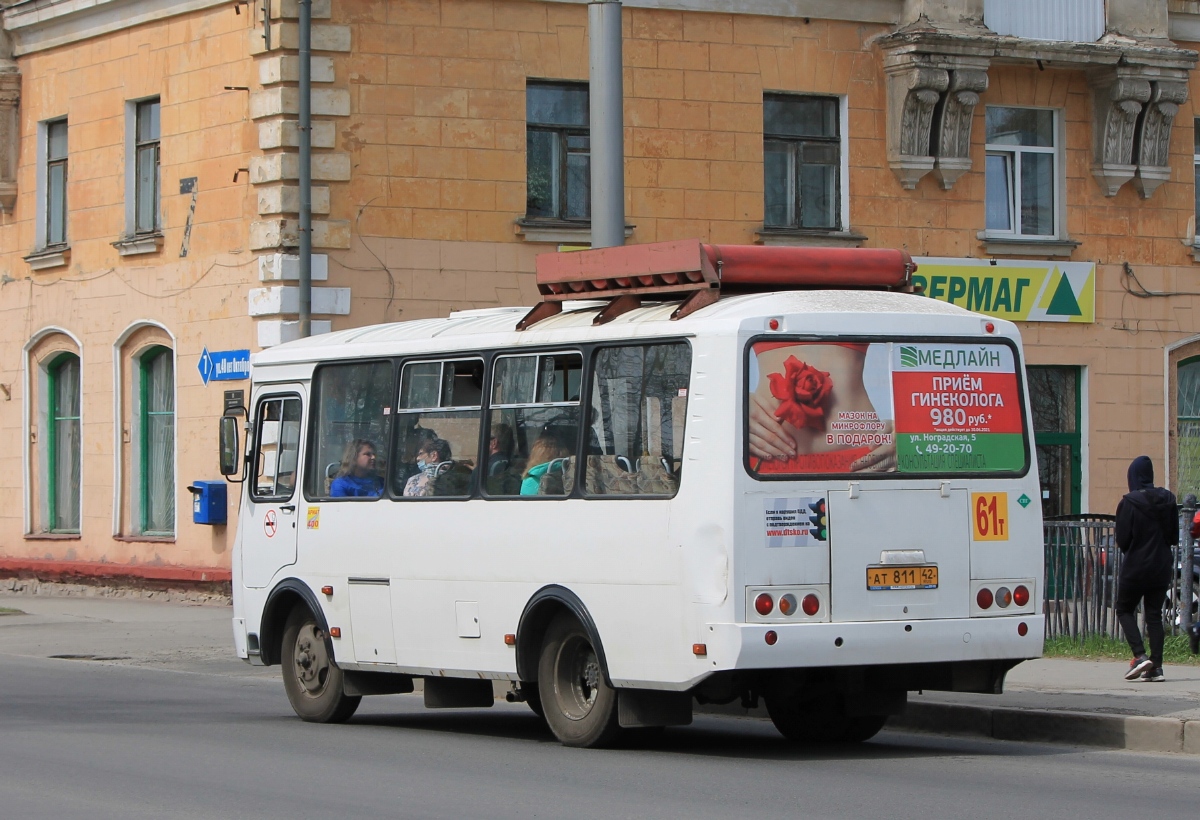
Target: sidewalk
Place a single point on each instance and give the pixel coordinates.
(1049, 700)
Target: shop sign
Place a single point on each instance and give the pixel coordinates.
(1017, 290)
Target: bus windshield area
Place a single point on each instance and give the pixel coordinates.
(836, 408)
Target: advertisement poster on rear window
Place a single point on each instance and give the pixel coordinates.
(820, 408)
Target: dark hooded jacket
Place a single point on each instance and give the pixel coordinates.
(1147, 527)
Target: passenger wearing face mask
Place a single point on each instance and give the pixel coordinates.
(432, 458)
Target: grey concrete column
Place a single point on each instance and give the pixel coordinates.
(606, 96)
(305, 181)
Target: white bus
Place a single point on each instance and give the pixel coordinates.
(823, 498)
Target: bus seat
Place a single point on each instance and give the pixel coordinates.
(568, 474)
(331, 471)
(655, 479)
(551, 482)
(606, 475)
(625, 463)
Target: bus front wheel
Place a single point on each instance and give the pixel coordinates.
(823, 720)
(577, 703)
(311, 679)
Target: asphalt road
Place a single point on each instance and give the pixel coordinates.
(182, 732)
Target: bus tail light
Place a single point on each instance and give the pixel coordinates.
(1022, 629)
(787, 604)
(812, 605)
(1003, 597)
(763, 604)
(771, 637)
(984, 598)
(1021, 595)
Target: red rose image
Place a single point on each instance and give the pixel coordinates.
(801, 390)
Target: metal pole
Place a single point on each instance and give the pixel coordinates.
(606, 97)
(305, 182)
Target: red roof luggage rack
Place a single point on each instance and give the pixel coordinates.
(697, 273)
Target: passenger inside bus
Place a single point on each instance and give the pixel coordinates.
(538, 478)
(433, 461)
(357, 477)
(500, 449)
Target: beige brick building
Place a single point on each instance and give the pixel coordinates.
(149, 199)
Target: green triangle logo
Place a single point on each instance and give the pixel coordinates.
(1063, 303)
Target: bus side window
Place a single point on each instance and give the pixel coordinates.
(534, 425)
(352, 405)
(277, 449)
(636, 420)
(439, 410)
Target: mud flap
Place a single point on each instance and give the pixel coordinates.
(452, 693)
(651, 707)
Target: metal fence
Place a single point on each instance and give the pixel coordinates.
(1082, 566)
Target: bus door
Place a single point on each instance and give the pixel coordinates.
(899, 554)
(269, 527)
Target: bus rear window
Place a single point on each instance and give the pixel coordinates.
(826, 408)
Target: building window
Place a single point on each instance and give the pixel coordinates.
(557, 151)
(1054, 396)
(63, 445)
(146, 163)
(1022, 173)
(1079, 21)
(801, 162)
(1187, 420)
(56, 183)
(155, 424)
(1196, 169)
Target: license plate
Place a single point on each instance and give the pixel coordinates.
(901, 576)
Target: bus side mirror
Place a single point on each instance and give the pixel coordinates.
(230, 444)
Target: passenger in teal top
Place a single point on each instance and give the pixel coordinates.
(545, 450)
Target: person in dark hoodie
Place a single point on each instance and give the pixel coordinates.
(1147, 527)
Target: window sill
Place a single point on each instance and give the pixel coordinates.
(558, 231)
(1006, 246)
(52, 536)
(136, 245)
(154, 539)
(47, 258)
(802, 237)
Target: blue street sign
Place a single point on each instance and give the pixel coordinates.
(223, 365)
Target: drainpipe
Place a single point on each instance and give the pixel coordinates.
(607, 123)
(305, 128)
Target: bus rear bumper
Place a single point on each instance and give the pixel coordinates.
(733, 646)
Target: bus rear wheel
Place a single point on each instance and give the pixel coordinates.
(823, 720)
(577, 703)
(313, 682)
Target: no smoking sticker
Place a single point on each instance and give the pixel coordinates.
(270, 525)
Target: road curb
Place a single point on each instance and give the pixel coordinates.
(1131, 732)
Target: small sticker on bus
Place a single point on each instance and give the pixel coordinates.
(682, 392)
(313, 519)
(795, 522)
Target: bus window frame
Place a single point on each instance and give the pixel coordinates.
(590, 369)
(313, 421)
(256, 427)
(583, 350)
(810, 338)
(473, 485)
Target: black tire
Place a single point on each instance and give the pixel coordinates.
(577, 704)
(311, 679)
(533, 698)
(821, 720)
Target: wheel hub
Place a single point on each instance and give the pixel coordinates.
(311, 660)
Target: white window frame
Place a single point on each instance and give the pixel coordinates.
(1015, 151)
